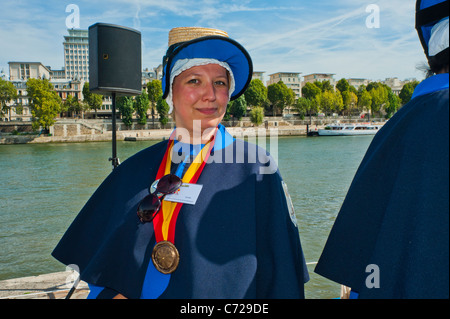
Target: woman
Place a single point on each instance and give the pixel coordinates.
(187, 217)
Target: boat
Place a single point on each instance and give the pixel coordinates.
(341, 129)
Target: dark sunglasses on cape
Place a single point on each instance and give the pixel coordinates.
(150, 205)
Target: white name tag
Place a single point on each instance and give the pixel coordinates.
(187, 194)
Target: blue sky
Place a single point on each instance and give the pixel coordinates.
(329, 36)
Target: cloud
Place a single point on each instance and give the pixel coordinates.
(284, 35)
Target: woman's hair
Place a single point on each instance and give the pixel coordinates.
(437, 65)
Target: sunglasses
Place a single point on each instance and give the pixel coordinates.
(150, 205)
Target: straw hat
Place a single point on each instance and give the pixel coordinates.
(177, 35)
(205, 43)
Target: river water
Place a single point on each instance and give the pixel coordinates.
(44, 186)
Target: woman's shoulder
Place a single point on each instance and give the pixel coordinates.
(146, 156)
(257, 156)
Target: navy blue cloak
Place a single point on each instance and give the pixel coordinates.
(237, 241)
(390, 238)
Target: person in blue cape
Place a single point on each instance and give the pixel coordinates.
(200, 215)
(390, 239)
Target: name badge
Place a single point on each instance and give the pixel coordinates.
(187, 194)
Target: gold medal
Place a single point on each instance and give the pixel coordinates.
(165, 257)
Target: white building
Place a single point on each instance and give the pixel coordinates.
(258, 75)
(291, 79)
(357, 82)
(321, 77)
(20, 72)
(28, 70)
(76, 54)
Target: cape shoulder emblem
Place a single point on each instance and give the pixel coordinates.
(289, 203)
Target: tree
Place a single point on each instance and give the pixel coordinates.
(331, 102)
(7, 93)
(45, 103)
(72, 105)
(141, 104)
(393, 104)
(303, 106)
(280, 96)
(163, 109)
(154, 89)
(238, 108)
(327, 102)
(407, 91)
(256, 93)
(326, 86)
(310, 90)
(126, 109)
(350, 100)
(364, 100)
(379, 97)
(92, 100)
(257, 115)
(338, 102)
(342, 85)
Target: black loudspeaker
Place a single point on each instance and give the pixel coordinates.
(114, 59)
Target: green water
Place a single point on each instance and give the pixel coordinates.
(43, 187)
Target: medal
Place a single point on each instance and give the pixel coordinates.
(165, 257)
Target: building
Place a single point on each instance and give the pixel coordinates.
(356, 83)
(76, 54)
(65, 87)
(20, 72)
(396, 85)
(258, 75)
(291, 79)
(58, 74)
(321, 77)
(150, 75)
(20, 109)
(28, 70)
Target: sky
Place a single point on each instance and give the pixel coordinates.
(348, 38)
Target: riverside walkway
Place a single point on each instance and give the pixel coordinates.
(47, 286)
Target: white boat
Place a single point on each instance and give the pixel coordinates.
(349, 129)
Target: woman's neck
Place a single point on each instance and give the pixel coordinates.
(195, 136)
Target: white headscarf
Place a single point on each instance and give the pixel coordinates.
(439, 38)
(185, 64)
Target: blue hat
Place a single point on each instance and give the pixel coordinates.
(428, 14)
(212, 44)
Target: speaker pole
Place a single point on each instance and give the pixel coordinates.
(114, 159)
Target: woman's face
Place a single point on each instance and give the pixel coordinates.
(200, 94)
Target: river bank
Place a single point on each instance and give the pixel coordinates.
(144, 135)
(74, 130)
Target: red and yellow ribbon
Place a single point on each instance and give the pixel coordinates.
(165, 221)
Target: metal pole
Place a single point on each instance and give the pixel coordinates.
(74, 287)
(114, 159)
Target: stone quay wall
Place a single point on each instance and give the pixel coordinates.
(74, 130)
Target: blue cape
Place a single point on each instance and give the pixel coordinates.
(234, 242)
(396, 213)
